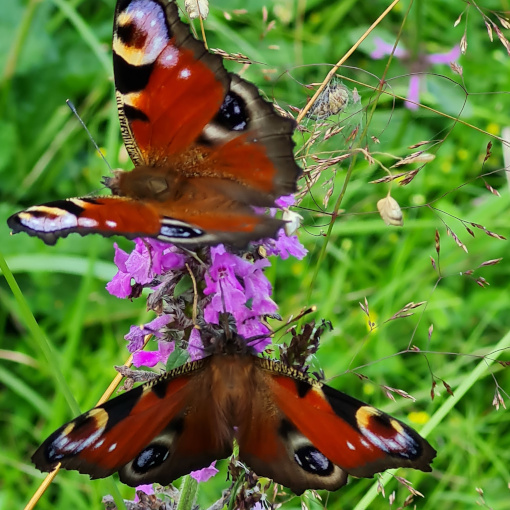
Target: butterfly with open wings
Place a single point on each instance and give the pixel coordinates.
(288, 426)
(206, 147)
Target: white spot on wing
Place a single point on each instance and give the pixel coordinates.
(350, 446)
(169, 56)
(184, 73)
(89, 442)
(61, 442)
(50, 219)
(87, 222)
(112, 447)
(67, 221)
(111, 223)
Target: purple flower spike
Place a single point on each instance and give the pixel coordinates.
(120, 286)
(258, 289)
(413, 94)
(382, 48)
(195, 345)
(285, 246)
(254, 328)
(445, 58)
(223, 285)
(202, 475)
(285, 201)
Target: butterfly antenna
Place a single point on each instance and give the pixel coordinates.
(297, 318)
(258, 338)
(77, 115)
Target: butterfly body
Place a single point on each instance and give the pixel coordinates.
(206, 147)
(288, 427)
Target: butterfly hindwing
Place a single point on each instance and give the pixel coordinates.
(359, 439)
(272, 446)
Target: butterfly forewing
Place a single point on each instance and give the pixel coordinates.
(168, 86)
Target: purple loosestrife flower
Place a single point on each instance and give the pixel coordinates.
(287, 243)
(240, 288)
(233, 284)
(152, 358)
(418, 65)
(195, 345)
(285, 246)
(221, 282)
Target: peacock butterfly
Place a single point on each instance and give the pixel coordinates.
(206, 147)
(288, 426)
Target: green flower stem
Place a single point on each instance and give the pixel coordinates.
(189, 490)
(233, 492)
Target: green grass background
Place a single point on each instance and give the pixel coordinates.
(56, 49)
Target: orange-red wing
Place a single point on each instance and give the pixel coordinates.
(272, 446)
(167, 90)
(185, 221)
(207, 148)
(144, 433)
(358, 438)
(102, 440)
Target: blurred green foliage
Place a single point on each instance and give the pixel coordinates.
(57, 49)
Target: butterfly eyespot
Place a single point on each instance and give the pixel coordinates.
(128, 34)
(233, 114)
(153, 456)
(313, 461)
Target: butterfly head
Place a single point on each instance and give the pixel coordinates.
(223, 339)
(143, 183)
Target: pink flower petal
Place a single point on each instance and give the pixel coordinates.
(146, 488)
(202, 475)
(383, 49)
